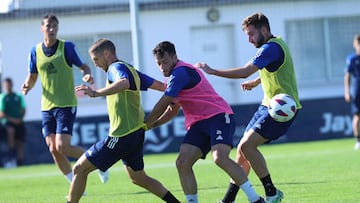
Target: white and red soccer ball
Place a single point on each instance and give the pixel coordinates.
(282, 107)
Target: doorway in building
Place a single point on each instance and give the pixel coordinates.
(215, 46)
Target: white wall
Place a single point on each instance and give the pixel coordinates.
(18, 36)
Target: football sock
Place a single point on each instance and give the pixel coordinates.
(69, 176)
(357, 138)
(249, 191)
(269, 187)
(231, 193)
(170, 198)
(191, 198)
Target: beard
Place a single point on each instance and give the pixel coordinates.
(260, 41)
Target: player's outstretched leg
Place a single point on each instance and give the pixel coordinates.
(141, 179)
(81, 171)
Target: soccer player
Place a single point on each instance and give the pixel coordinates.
(127, 127)
(276, 74)
(209, 121)
(12, 110)
(352, 79)
(53, 59)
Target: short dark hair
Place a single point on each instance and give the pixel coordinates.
(258, 20)
(101, 45)
(8, 80)
(50, 17)
(357, 38)
(164, 47)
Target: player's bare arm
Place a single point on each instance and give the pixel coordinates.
(239, 72)
(347, 87)
(29, 83)
(157, 85)
(250, 84)
(171, 111)
(159, 109)
(86, 71)
(115, 87)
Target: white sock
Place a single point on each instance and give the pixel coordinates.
(249, 191)
(69, 176)
(191, 198)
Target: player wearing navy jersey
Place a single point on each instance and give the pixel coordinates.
(127, 127)
(274, 64)
(53, 59)
(209, 121)
(352, 88)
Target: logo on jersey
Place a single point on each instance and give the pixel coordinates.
(50, 69)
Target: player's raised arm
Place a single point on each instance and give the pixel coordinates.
(86, 71)
(114, 88)
(238, 72)
(157, 85)
(250, 84)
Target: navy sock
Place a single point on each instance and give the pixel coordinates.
(170, 198)
(269, 187)
(231, 193)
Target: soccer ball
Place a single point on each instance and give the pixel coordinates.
(282, 107)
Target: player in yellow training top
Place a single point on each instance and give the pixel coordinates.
(53, 59)
(274, 64)
(127, 128)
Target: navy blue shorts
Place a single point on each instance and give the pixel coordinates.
(215, 130)
(355, 98)
(262, 123)
(355, 104)
(58, 121)
(110, 150)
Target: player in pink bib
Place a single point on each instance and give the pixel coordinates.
(199, 102)
(208, 120)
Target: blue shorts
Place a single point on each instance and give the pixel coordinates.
(355, 98)
(110, 150)
(58, 121)
(267, 127)
(215, 130)
(355, 104)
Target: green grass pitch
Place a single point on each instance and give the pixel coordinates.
(310, 172)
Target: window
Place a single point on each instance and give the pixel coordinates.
(319, 47)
